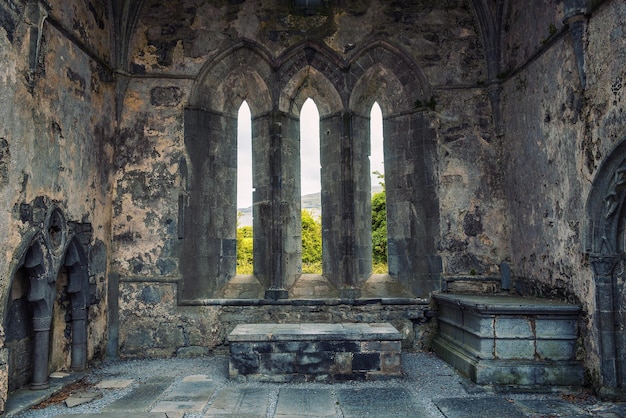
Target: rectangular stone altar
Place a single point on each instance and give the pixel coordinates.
(314, 352)
(508, 340)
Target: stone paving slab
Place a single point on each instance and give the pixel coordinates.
(305, 403)
(114, 383)
(485, 407)
(550, 407)
(142, 397)
(190, 395)
(116, 415)
(380, 402)
(240, 402)
(81, 398)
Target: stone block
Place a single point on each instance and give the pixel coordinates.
(277, 363)
(341, 346)
(513, 327)
(343, 363)
(243, 363)
(364, 362)
(556, 328)
(480, 325)
(556, 349)
(296, 347)
(368, 346)
(481, 347)
(314, 363)
(514, 349)
(391, 363)
(393, 346)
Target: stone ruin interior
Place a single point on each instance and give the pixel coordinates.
(505, 173)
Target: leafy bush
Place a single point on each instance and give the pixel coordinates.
(244, 250)
(311, 243)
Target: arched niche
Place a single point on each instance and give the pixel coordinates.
(605, 245)
(50, 263)
(208, 257)
(383, 74)
(18, 314)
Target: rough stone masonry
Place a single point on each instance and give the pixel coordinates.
(504, 158)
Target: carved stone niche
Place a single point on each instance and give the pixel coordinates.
(56, 231)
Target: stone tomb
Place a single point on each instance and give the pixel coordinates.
(509, 341)
(314, 352)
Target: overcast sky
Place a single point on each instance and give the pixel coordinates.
(309, 147)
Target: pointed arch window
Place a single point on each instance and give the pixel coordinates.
(379, 201)
(310, 187)
(245, 237)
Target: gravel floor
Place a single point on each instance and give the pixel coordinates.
(427, 377)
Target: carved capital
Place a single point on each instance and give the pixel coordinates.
(604, 264)
(42, 323)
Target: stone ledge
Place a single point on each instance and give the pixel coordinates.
(314, 332)
(496, 304)
(305, 302)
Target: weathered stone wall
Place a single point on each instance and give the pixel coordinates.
(154, 326)
(57, 119)
(556, 136)
(462, 167)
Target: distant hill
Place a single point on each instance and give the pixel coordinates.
(311, 202)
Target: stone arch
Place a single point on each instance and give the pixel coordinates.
(18, 312)
(307, 69)
(310, 70)
(382, 73)
(208, 257)
(240, 72)
(76, 264)
(605, 218)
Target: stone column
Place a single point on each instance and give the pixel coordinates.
(77, 289)
(277, 288)
(575, 11)
(603, 266)
(209, 249)
(41, 343)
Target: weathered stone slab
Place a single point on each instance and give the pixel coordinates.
(484, 407)
(81, 398)
(313, 332)
(550, 407)
(380, 402)
(240, 402)
(114, 383)
(190, 395)
(116, 415)
(142, 397)
(305, 403)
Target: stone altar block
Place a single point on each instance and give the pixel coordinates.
(508, 340)
(314, 352)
